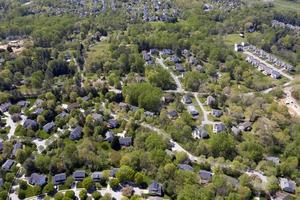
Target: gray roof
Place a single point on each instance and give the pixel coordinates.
(216, 112)
(8, 164)
(205, 175)
(155, 189)
(17, 146)
(185, 167)
(76, 133)
(125, 141)
(29, 123)
(48, 127)
(79, 175)
(59, 178)
(287, 185)
(37, 179)
(109, 136)
(97, 176)
(4, 107)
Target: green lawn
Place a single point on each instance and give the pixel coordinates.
(279, 5)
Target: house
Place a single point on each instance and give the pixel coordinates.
(37, 179)
(1, 182)
(179, 68)
(49, 127)
(125, 141)
(236, 131)
(112, 123)
(192, 110)
(23, 104)
(273, 159)
(245, 126)
(79, 175)
(287, 185)
(16, 147)
(85, 98)
(168, 98)
(155, 189)
(63, 114)
(38, 102)
(216, 112)
(16, 117)
(97, 117)
(30, 124)
(275, 74)
(38, 111)
(59, 179)
(76, 133)
(172, 114)
(219, 127)
(73, 106)
(187, 99)
(154, 51)
(1, 144)
(282, 196)
(4, 107)
(149, 114)
(175, 59)
(185, 167)
(207, 7)
(166, 52)
(238, 47)
(210, 101)
(8, 164)
(97, 176)
(109, 136)
(146, 56)
(200, 133)
(205, 176)
(113, 172)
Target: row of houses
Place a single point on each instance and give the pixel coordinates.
(276, 23)
(268, 57)
(263, 68)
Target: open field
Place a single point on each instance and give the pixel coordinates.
(279, 5)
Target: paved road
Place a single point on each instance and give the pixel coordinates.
(205, 112)
(176, 78)
(269, 65)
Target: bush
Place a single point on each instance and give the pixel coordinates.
(83, 194)
(59, 196)
(70, 194)
(96, 195)
(114, 183)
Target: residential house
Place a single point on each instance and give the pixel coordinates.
(97, 176)
(114, 171)
(97, 117)
(210, 101)
(49, 127)
(16, 147)
(186, 99)
(168, 98)
(175, 59)
(172, 114)
(205, 176)
(112, 123)
(1, 182)
(218, 127)
(23, 104)
(245, 126)
(38, 111)
(185, 167)
(16, 117)
(216, 112)
(109, 136)
(76, 133)
(125, 141)
(200, 133)
(275, 74)
(287, 185)
(236, 131)
(37, 179)
(1, 144)
(4, 107)
(59, 178)
(193, 111)
(79, 175)
(179, 68)
(273, 159)
(8, 164)
(31, 124)
(155, 189)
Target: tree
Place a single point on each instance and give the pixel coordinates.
(49, 189)
(59, 196)
(272, 185)
(251, 150)
(125, 173)
(127, 191)
(114, 183)
(96, 195)
(139, 178)
(161, 78)
(70, 194)
(83, 194)
(193, 80)
(193, 192)
(87, 183)
(222, 145)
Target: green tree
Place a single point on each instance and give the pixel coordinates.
(125, 173)
(83, 194)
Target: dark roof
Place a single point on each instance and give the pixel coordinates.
(205, 175)
(4, 107)
(59, 178)
(48, 127)
(76, 133)
(155, 189)
(172, 113)
(79, 175)
(38, 111)
(63, 114)
(125, 141)
(22, 103)
(109, 136)
(112, 123)
(216, 112)
(185, 167)
(29, 123)
(97, 117)
(1, 182)
(37, 179)
(97, 176)
(17, 146)
(8, 165)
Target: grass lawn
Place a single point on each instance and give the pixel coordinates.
(231, 39)
(98, 51)
(279, 5)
